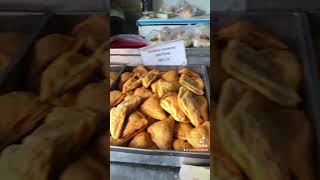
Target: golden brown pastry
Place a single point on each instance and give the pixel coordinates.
(46, 50)
(171, 76)
(132, 102)
(64, 132)
(115, 98)
(287, 65)
(117, 117)
(170, 104)
(259, 72)
(199, 137)
(154, 87)
(249, 128)
(162, 133)
(192, 83)
(143, 92)
(125, 77)
(150, 77)
(231, 92)
(93, 96)
(131, 84)
(181, 145)
(164, 87)
(151, 107)
(189, 105)
(27, 161)
(246, 32)
(68, 71)
(140, 70)
(94, 26)
(204, 107)
(188, 72)
(20, 113)
(86, 168)
(181, 130)
(143, 140)
(69, 128)
(136, 123)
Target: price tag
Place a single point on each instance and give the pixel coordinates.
(167, 53)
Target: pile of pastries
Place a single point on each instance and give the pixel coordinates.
(55, 127)
(160, 110)
(260, 130)
(10, 42)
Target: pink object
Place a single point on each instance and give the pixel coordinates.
(127, 41)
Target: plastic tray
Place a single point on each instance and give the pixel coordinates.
(163, 157)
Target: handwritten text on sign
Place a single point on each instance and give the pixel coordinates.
(167, 53)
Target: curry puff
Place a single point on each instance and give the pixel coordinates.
(150, 77)
(262, 72)
(61, 135)
(70, 70)
(20, 113)
(164, 87)
(125, 77)
(151, 107)
(170, 104)
(162, 133)
(140, 70)
(131, 84)
(46, 50)
(93, 96)
(181, 145)
(171, 76)
(136, 123)
(118, 114)
(143, 140)
(193, 83)
(199, 137)
(115, 98)
(181, 130)
(143, 92)
(190, 106)
(246, 32)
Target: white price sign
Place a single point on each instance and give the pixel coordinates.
(167, 53)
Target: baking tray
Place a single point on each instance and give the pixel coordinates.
(28, 23)
(164, 157)
(290, 28)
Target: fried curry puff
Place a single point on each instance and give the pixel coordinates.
(155, 109)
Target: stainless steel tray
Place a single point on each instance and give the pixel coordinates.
(30, 24)
(119, 69)
(164, 157)
(290, 28)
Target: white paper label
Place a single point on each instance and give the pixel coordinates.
(167, 53)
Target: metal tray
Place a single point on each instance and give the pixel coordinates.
(164, 157)
(117, 68)
(290, 28)
(30, 24)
